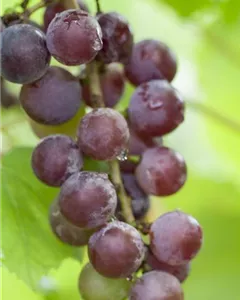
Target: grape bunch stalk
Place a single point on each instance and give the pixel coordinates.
(105, 211)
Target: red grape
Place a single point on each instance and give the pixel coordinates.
(55, 158)
(175, 238)
(155, 109)
(161, 172)
(117, 38)
(74, 37)
(150, 60)
(88, 199)
(53, 99)
(128, 166)
(116, 250)
(103, 134)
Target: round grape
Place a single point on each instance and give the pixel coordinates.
(155, 109)
(175, 238)
(103, 134)
(53, 99)
(161, 172)
(24, 55)
(74, 37)
(181, 272)
(150, 60)
(156, 285)
(56, 158)
(88, 199)
(65, 231)
(94, 286)
(116, 250)
(117, 38)
(112, 86)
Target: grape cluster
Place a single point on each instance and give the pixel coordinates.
(107, 212)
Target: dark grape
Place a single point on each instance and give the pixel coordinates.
(29, 22)
(175, 238)
(117, 38)
(116, 250)
(53, 99)
(88, 199)
(112, 85)
(156, 285)
(161, 172)
(74, 37)
(56, 158)
(155, 109)
(94, 286)
(24, 55)
(150, 60)
(57, 7)
(103, 134)
(128, 166)
(181, 272)
(65, 231)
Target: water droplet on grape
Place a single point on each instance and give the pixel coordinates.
(155, 104)
(123, 155)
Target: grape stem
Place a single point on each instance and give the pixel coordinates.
(98, 7)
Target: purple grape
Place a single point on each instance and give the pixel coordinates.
(24, 55)
(117, 38)
(161, 172)
(175, 238)
(155, 109)
(181, 272)
(128, 166)
(116, 250)
(74, 37)
(88, 199)
(53, 99)
(112, 85)
(57, 7)
(103, 134)
(150, 60)
(55, 158)
(156, 285)
(65, 231)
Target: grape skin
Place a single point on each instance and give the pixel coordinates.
(155, 109)
(156, 285)
(116, 250)
(24, 55)
(65, 231)
(56, 158)
(74, 37)
(151, 59)
(103, 134)
(128, 166)
(161, 172)
(117, 38)
(175, 238)
(91, 281)
(53, 99)
(88, 199)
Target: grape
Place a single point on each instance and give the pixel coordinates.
(74, 37)
(155, 109)
(103, 134)
(161, 172)
(53, 99)
(112, 85)
(65, 231)
(181, 272)
(156, 285)
(30, 22)
(128, 166)
(175, 238)
(56, 158)
(150, 60)
(88, 199)
(116, 250)
(24, 55)
(117, 38)
(94, 286)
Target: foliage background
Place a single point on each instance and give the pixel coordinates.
(205, 36)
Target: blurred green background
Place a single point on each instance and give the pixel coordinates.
(205, 35)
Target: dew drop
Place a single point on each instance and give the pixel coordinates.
(123, 155)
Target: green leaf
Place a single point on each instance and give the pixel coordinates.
(29, 248)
